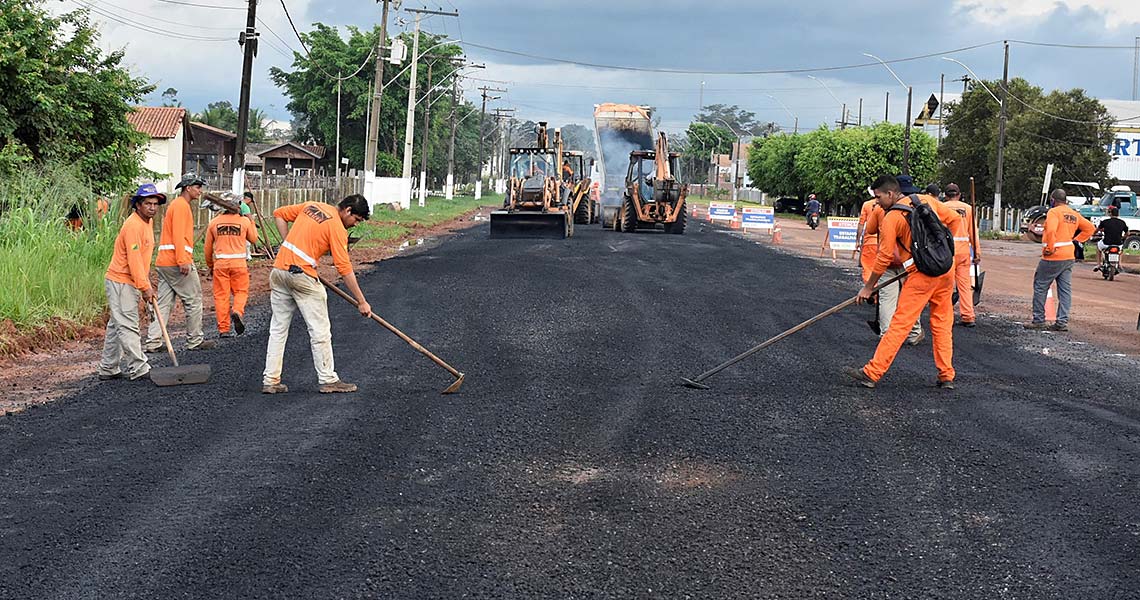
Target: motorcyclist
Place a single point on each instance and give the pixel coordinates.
(1112, 230)
(812, 207)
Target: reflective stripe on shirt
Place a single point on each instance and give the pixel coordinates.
(299, 253)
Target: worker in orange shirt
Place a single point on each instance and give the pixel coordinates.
(868, 243)
(318, 228)
(177, 276)
(127, 280)
(1064, 227)
(963, 232)
(888, 297)
(226, 238)
(918, 289)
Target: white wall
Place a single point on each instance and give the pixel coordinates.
(165, 156)
(1125, 152)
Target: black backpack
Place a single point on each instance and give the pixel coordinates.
(932, 244)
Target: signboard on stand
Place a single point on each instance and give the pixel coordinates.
(759, 217)
(842, 234)
(722, 211)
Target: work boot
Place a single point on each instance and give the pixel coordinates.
(859, 376)
(946, 385)
(916, 340)
(969, 324)
(204, 345)
(277, 388)
(139, 375)
(337, 387)
(1059, 326)
(226, 334)
(1037, 325)
(239, 325)
(155, 349)
(110, 376)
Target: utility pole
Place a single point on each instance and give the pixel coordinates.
(860, 112)
(336, 162)
(482, 120)
(906, 137)
(449, 185)
(427, 143)
(503, 142)
(1001, 141)
(410, 122)
(248, 40)
(887, 110)
(372, 147)
(941, 101)
(843, 118)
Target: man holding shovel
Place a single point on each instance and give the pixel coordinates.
(127, 280)
(318, 228)
(963, 243)
(177, 276)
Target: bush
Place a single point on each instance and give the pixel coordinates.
(47, 271)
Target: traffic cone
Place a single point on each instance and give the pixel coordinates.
(776, 237)
(1050, 306)
(735, 224)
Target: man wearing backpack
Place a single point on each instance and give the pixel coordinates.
(1064, 229)
(921, 236)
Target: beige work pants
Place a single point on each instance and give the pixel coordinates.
(290, 292)
(889, 302)
(122, 343)
(172, 284)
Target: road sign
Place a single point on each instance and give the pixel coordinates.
(758, 217)
(722, 211)
(842, 233)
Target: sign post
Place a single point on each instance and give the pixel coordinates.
(758, 217)
(842, 234)
(722, 211)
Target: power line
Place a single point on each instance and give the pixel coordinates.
(194, 4)
(685, 90)
(1078, 46)
(1066, 119)
(310, 56)
(179, 23)
(715, 72)
(144, 27)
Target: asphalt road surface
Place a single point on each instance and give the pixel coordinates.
(572, 465)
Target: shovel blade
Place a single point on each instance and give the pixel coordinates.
(693, 384)
(979, 279)
(182, 375)
(454, 387)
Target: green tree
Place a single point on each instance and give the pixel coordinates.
(772, 165)
(697, 145)
(1066, 128)
(220, 114)
(742, 121)
(170, 98)
(62, 99)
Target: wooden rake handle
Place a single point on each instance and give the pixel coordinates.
(165, 334)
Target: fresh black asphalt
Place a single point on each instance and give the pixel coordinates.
(572, 464)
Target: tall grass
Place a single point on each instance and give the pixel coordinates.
(47, 271)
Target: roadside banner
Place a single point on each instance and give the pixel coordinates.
(722, 211)
(842, 234)
(759, 217)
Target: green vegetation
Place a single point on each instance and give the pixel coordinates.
(387, 224)
(48, 272)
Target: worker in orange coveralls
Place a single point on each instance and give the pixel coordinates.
(918, 289)
(868, 242)
(226, 238)
(1064, 227)
(963, 242)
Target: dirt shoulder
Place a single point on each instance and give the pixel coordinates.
(1104, 313)
(44, 375)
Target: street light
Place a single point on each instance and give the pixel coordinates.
(976, 78)
(1001, 131)
(735, 161)
(796, 126)
(842, 105)
(909, 95)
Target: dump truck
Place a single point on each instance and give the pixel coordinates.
(619, 129)
(537, 204)
(653, 195)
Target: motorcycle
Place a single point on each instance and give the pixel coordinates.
(1110, 262)
(813, 220)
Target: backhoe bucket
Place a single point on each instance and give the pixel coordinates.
(529, 224)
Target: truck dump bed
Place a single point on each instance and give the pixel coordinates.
(619, 129)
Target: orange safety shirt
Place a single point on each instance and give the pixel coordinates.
(894, 233)
(176, 243)
(963, 230)
(317, 230)
(874, 223)
(864, 215)
(1062, 226)
(134, 246)
(226, 236)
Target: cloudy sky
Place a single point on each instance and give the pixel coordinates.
(669, 46)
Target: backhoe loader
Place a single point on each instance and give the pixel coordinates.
(652, 194)
(537, 204)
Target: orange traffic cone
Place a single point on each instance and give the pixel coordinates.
(776, 237)
(1050, 306)
(735, 224)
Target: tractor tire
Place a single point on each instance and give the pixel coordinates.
(582, 214)
(628, 216)
(678, 227)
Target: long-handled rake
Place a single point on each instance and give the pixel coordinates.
(695, 382)
(451, 389)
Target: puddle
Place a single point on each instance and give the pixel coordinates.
(413, 243)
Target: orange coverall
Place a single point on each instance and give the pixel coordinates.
(1062, 226)
(870, 245)
(963, 232)
(226, 236)
(918, 291)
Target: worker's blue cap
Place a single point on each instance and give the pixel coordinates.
(147, 190)
(906, 185)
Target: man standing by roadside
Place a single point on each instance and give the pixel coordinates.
(918, 289)
(888, 297)
(1064, 227)
(963, 241)
(317, 229)
(177, 276)
(226, 239)
(128, 279)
